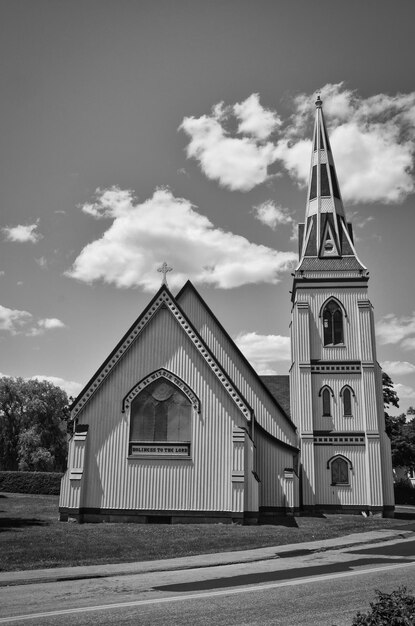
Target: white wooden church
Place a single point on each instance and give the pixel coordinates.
(176, 425)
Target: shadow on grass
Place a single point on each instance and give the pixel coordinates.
(7, 523)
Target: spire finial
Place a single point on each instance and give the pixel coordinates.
(319, 102)
(164, 269)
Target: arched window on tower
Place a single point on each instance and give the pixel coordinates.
(333, 324)
(346, 394)
(340, 468)
(161, 413)
(326, 393)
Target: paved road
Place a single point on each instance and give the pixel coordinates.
(318, 588)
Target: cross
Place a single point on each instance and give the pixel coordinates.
(164, 269)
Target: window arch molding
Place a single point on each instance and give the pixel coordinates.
(156, 375)
(340, 467)
(336, 301)
(343, 389)
(320, 393)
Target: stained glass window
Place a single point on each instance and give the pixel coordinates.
(161, 412)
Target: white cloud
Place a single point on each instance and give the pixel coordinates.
(50, 322)
(238, 163)
(2, 272)
(13, 320)
(71, 387)
(254, 120)
(271, 214)
(373, 141)
(408, 343)
(262, 351)
(165, 228)
(18, 322)
(22, 233)
(398, 368)
(393, 329)
(404, 391)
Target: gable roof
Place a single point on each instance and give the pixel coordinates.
(283, 407)
(162, 298)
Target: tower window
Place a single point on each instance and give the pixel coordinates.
(326, 402)
(332, 324)
(339, 472)
(347, 402)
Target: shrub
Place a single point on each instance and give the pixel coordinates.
(48, 483)
(404, 492)
(391, 609)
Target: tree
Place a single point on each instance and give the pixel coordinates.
(400, 432)
(33, 418)
(389, 394)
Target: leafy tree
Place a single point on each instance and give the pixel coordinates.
(389, 394)
(32, 425)
(400, 431)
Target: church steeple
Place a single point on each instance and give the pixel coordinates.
(325, 233)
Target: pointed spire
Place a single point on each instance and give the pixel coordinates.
(325, 233)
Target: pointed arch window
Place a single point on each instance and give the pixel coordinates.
(340, 468)
(160, 413)
(333, 324)
(326, 393)
(346, 394)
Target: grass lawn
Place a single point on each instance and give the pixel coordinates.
(32, 537)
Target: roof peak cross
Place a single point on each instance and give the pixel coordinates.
(164, 269)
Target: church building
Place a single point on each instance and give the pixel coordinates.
(177, 426)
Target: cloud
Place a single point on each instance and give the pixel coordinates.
(237, 163)
(18, 322)
(263, 351)
(404, 391)
(13, 320)
(398, 368)
(42, 262)
(50, 322)
(271, 214)
(373, 141)
(165, 228)
(254, 120)
(71, 387)
(22, 233)
(393, 329)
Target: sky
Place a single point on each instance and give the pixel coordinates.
(135, 132)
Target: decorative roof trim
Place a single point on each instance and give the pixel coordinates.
(161, 373)
(189, 285)
(162, 298)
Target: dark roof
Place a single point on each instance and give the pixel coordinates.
(345, 263)
(279, 387)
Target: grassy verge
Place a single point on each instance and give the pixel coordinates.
(31, 536)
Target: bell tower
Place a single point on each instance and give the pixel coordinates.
(335, 379)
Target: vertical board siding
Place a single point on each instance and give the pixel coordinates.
(351, 351)
(266, 412)
(203, 482)
(337, 420)
(353, 495)
(271, 461)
